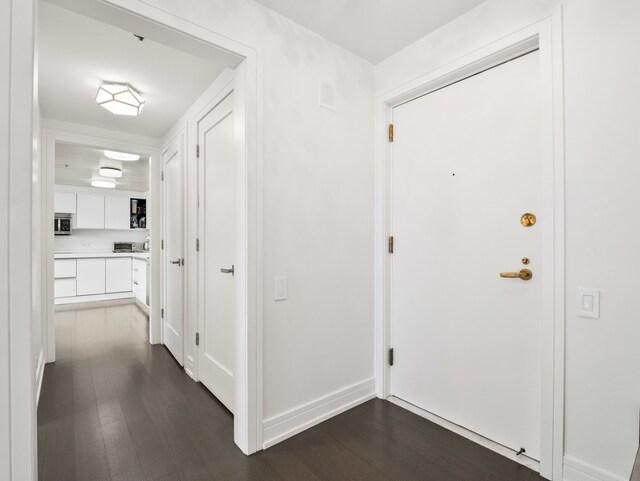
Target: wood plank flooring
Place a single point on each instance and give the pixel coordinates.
(114, 408)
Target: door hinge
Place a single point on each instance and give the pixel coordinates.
(162, 175)
(391, 357)
(197, 338)
(198, 200)
(390, 132)
(197, 150)
(162, 313)
(197, 245)
(391, 244)
(162, 244)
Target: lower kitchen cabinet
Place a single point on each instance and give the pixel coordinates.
(90, 276)
(139, 276)
(118, 275)
(64, 288)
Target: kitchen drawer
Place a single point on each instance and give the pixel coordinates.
(64, 287)
(64, 268)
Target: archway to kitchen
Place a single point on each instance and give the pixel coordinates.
(238, 77)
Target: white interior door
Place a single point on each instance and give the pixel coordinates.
(174, 228)
(465, 166)
(217, 231)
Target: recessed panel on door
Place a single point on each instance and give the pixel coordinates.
(466, 166)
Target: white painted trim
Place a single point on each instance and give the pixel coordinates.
(576, 470)
(61, 301)
(40, 363)
(283, 426)
(547, 35)
(466, 433)
(248, 375)
(100, 138)
(18, 435)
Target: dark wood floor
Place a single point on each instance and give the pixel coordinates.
(115, 408)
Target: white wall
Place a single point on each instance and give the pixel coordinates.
(601, 49)
(317, 202)
(85, 240)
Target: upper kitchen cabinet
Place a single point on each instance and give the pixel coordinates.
(116, 213)
(64, 202)
(90, 211)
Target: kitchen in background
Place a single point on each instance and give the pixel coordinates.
(101, 240)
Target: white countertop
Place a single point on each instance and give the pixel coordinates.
(89, 255)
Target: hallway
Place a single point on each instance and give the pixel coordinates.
(114, 407)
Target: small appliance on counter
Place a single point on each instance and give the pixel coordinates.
(62, 224)
(124, 247)
(145, 245)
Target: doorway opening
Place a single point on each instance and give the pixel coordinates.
(177, 68)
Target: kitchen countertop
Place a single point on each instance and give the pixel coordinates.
(89, 255)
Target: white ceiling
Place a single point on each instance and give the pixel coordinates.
(77, 52)
(77, 165)
(374, 30)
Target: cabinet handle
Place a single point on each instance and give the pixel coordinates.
(135, 282)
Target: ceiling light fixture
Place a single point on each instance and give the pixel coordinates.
(104, 184)
(119, 99)
(110, 172)
(121, 156)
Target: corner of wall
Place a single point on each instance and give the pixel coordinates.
(283, 426)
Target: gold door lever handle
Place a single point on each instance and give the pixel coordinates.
(524, 274)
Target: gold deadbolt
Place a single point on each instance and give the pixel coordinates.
(525, 261)
(528, 219)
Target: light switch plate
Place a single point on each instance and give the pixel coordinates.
(280, 289)
(588, 302)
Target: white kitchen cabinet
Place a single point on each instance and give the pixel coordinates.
(90, 276)
(64, 288)
(116, 213)
(118, 275)
(64, 268)
(64, 202)
(139, 277)
(90, 211)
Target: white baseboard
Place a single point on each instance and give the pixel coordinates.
(472, 436)
(39, 374)
(189, 367)
(576, 470)
(283, 426)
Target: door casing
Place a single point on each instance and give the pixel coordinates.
(544, 35)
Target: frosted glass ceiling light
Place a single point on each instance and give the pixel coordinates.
(120, 156)
(110, 172)
(119, 99)
(104, 184)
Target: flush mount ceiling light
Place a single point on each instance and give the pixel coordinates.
(104, 184)
(119, 99)
(121, 156)
(110, 172)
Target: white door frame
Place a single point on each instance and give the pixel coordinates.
(546, 35)
(248, 358)
(52, 136)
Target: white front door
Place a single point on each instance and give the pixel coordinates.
(174, 227)
(217, 234)
(466, 165)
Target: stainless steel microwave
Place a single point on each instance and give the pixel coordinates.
(62, 224)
